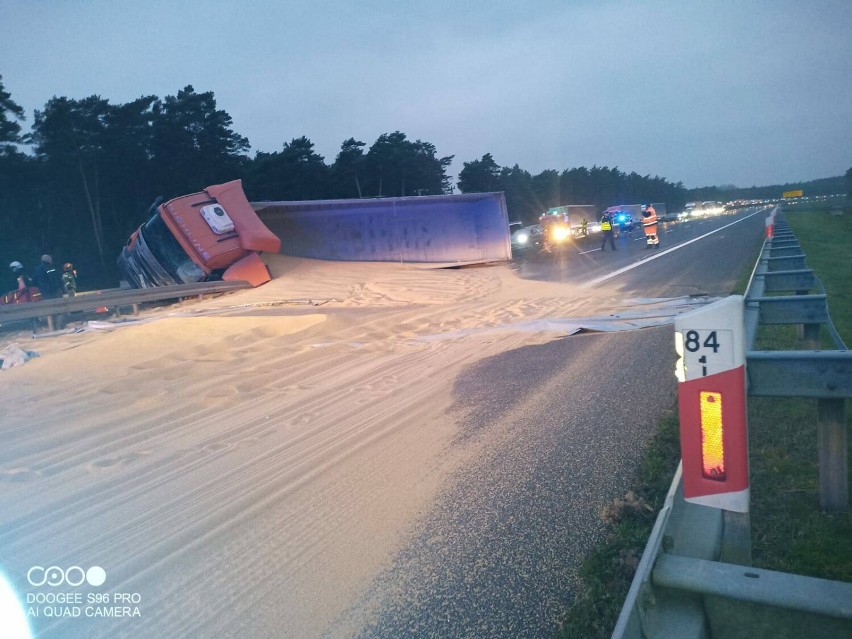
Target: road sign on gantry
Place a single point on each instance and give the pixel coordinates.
(710, 343)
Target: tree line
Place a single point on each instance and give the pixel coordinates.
(92, 169)
(527, 196)
(824, 186)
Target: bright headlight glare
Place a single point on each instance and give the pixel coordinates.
(561, 233)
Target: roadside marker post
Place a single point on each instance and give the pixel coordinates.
(710, 343)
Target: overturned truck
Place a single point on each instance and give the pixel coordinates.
(211, 235)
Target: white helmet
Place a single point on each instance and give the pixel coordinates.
(16, 266)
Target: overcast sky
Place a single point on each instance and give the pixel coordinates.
(744, 92)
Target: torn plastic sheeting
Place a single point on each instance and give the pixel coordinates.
(14, 355)
(699, 299)
(566, 327)
(630, 320)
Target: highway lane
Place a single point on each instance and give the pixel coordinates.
(679, 270)
(710, 265)
(566, 424)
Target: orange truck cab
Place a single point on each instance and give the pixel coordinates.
(211, 235)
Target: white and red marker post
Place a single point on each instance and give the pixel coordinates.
(770, 225)
(710, 343)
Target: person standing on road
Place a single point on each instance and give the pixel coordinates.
(69, 279)
(47, 278)
(606, 230)
(649, 225)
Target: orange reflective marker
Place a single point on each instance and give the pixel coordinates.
(712, 446)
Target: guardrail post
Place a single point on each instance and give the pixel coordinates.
(805, 332)
(736, 538)
(810, 335)
(833, 455)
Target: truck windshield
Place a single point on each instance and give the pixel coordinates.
(169, 253)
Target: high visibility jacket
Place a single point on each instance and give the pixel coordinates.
(606, 225)
(649, 221)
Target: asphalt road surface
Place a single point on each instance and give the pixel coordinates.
(696, 256)
(498, 556)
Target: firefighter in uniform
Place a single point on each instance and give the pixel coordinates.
(19, 287)
(649, 225)
(607, 232)
(69, 279)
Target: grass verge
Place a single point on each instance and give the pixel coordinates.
(789, 533)
(826, 240)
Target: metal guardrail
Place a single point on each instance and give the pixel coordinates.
(823, 375)
(688, 583)
(113, 299)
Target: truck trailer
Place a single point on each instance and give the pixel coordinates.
(467, 228)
